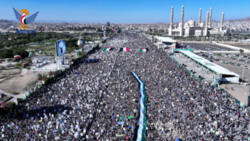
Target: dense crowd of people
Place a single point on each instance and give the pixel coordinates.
(99, 101)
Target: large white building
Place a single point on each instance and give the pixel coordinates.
(192, 28)
(165, 42)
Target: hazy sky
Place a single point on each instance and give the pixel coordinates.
(124, 11)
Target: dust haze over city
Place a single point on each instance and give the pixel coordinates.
(129, 70)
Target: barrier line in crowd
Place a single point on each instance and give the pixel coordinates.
(185, 68)
(141, 133)
(236, 100)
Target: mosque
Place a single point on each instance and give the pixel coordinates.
(192, 28)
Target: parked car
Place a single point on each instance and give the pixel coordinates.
(39, 61)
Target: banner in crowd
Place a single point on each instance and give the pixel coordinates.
(141, 132)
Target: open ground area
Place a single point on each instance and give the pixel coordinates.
(9, 72)
(20, 83)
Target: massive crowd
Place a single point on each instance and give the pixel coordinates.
(99, 101)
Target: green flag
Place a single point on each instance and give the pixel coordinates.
(122, 117)
(130, 117)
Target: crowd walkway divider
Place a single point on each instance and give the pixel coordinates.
(236, 100)
(185, 68)
(141, 121)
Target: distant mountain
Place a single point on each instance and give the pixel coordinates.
(5, 21)
(59, 21)
(244, 19)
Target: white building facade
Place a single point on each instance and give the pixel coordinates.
(192, 28)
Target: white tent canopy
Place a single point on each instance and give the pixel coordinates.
(219, 70)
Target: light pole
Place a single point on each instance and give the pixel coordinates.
(246, 100)
(242, 75)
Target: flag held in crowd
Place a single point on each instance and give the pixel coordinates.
(122, 117)
(130, 117)
(120, 122)
(144, 50)
(125, 49)
(108, 48)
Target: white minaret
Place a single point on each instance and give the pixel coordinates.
(210, 18)
(182, 18)
(200, 16)
(79, 42)
(171, 21)
(222, 20)
(206, 26)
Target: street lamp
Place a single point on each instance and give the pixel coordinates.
(243, 74)
(246, 98)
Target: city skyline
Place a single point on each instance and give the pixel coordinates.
(147, 11)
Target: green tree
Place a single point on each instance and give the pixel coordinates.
(18, 65)
(28, 60)
(10, 105)
(6, 53)
(39, 76)
(19, 100)
(7, 44)
(21, 52)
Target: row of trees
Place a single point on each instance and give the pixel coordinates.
(80, 28)
(71, 45)
(9, 53)
(17, 40)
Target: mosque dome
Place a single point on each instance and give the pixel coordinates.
(191, 22)
(186, 24)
